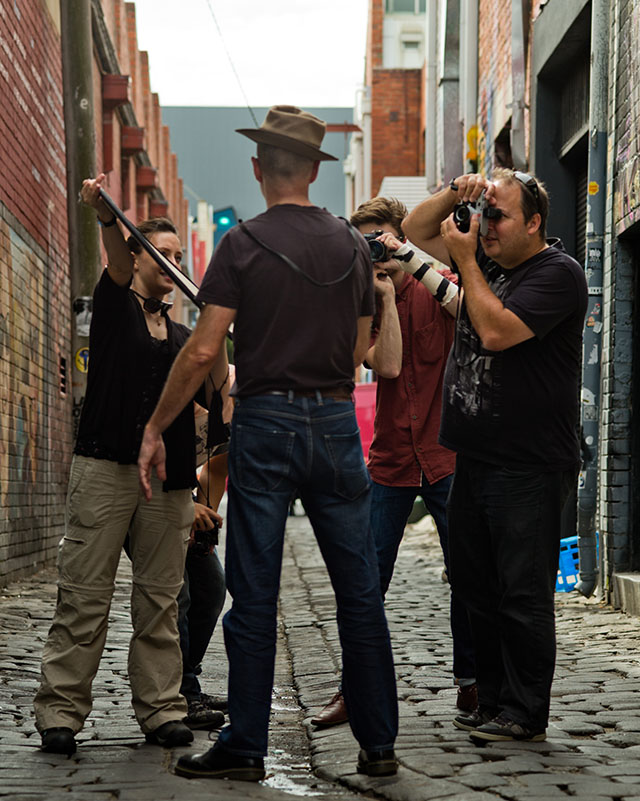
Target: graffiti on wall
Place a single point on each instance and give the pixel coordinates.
(22, 370)
(627, 156)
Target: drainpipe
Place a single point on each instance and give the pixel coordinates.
(518, 150)
(80, 145)
(592, 348)
(469, 82)
(366, 143)
(431, 97)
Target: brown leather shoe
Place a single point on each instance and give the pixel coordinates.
(467, 698)
(334, 712)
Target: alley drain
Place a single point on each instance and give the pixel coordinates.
(288, 764)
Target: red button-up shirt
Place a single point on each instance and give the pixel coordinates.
(405, 440)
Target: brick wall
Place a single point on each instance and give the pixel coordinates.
(35, 417)
(621, 265)
(495, 88)
(124, 169)
(35, 333)
(397, 109)
(396, 106)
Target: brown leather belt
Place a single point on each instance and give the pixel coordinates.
(332, 393)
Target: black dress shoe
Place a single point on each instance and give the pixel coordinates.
(218, 763)
(377, 763)
(59, 740)
(170, 734)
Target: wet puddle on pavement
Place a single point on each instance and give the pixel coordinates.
(288, 763)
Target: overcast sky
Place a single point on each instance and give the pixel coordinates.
(300, 52)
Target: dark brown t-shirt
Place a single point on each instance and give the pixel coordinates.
(289, 332)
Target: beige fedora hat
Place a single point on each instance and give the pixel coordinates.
(290, 128)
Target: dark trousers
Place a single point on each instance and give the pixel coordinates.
(504, 535)
(199, 605)
(390, 510)
(278, 447)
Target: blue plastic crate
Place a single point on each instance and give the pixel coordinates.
(569, 565)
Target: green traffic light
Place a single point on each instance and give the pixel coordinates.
(224, 220)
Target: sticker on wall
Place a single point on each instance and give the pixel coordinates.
(82, 360)
(82, 311)
(588, 397)
(594, 187)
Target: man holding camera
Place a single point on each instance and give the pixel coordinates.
(296, 282)
(510, 411)
(413, 332)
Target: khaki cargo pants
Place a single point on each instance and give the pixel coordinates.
(103, 503)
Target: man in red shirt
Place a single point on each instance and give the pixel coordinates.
(413, 332)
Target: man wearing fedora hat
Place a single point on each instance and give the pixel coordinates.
(296, 282)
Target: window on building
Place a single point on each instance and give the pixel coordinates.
(406, 6)
(412, 57)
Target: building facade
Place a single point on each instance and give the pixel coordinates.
(37, 361)
(550, 86)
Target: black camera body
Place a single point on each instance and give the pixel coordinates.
(204, 541)
(378, 250)
(463, 212)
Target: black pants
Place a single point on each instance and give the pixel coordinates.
(504, 535)
(199, 605)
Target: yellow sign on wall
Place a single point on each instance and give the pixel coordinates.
(82, 360)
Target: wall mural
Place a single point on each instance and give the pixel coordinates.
(33, 433)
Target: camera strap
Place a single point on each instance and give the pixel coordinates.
(295, 267)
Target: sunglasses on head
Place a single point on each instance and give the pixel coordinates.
(153, 305)
(530, 182)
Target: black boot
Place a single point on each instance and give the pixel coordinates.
(377, 763)
(218, 763)
(58, 740)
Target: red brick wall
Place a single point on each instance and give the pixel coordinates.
(35, 315)
(396, 110)
(31, 124)
(121, 181)
(35, 417)
(494, 74)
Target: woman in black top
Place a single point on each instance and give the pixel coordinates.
(133, 343)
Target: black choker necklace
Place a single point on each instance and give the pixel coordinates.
(153, 305)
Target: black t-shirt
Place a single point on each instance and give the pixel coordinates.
(519, 407)
(127, 370)
(290, 333)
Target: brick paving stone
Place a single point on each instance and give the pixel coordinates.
(593, 687)
(592, 751)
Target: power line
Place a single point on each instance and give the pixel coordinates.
(226, 50)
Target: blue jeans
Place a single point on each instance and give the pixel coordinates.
(390, 510)
(504, 538)
(199, 605)
(281, 445)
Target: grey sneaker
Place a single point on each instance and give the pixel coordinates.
(218, 702)
(472, 720)
(503, 728)
(200, 716)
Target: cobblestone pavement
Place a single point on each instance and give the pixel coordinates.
(593, 746)
(593, 750)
